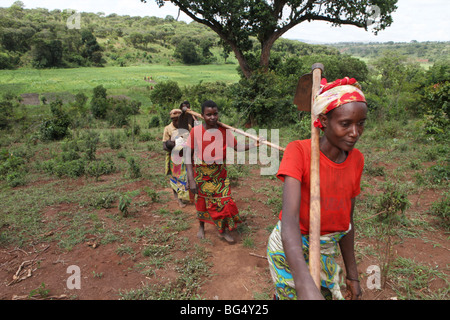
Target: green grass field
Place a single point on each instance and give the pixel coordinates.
(117, 80)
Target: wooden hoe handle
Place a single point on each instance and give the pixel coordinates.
(198, 115)
(314, 224)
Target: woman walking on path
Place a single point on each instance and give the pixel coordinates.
(207, 173)
(342, 112)
(174, 139)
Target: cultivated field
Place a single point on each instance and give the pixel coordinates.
(107, 208)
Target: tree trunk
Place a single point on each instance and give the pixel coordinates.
(266, 46)
(242, 61)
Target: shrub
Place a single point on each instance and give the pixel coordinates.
(439, 173)
(264, 99)
(167, 92)
(56, 127)
(134, 169)
(436, 121)
(99, 103)
(391, 202)
(71, 169)
(12, 169)
(99, 168)
(154, 122)
(90, 140)
(120, 110)
(441, 210)
(114, 141)
(6, 113)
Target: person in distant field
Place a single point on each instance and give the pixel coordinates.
(342, 111)
(185, 120)
(207, 173)
(174, 139)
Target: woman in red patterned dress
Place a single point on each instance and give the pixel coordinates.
(207, 173)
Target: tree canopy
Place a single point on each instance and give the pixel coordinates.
(235, 21)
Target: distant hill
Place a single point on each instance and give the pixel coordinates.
(42, 38)
(423, 52)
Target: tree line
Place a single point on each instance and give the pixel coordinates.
(40, 38)
(429, 51)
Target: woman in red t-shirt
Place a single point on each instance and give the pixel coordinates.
(207, 173)
(342, 111)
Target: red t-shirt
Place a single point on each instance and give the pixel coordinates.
(339, 183)
(211, 145)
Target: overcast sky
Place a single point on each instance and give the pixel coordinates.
(421, 20)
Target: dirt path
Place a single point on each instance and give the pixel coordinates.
(238, 271)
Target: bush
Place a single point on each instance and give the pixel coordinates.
(99, 103)
(391, 202)
(89, 141)
(441, 210)
(134, 169)
(8, 61)
(12, 169)
(154, 122)
(120, 110)
(436, 99)
(439, 173)
(166, 93)
(264, 99)
(71, 169)
(114, 141)
(57, 127)
(6, 114)
(99, 168)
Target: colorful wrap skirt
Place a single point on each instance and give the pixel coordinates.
(214, 202)
(280, 271)
(178, 177)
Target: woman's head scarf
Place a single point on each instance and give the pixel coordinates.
(335, 94)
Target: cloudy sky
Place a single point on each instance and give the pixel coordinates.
(421, 20)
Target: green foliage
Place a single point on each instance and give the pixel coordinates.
(40, 38)
(47, 53)
(439, 173)
(153, 194)
(99, 103)
(12, 168)
(264, 100)
(436, 99)
(188, 51)
(390, 202)
(91, 50)
(6, 112)
(441, 210)
(114, 140)
(89, 142)
(56, 127)
(237, 23)
(426, 52)
(9, 60)
(125, 201)
(166, 93)
(134, 168)
(120, 111)
(100, 167)
(154, 122)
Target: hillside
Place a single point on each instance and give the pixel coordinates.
(422, 52)
(41, 38)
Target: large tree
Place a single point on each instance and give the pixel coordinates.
(235, 21)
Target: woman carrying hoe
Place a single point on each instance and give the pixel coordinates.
(207, 173)
(173, 142)
(342, 111)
